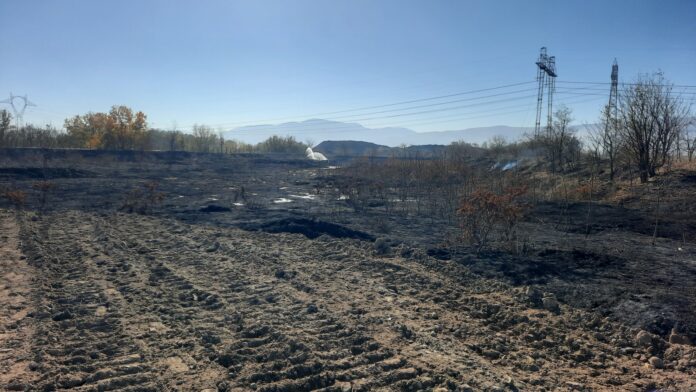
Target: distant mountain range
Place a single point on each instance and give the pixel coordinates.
(317, 131)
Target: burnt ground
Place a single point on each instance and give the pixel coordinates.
(252, 275)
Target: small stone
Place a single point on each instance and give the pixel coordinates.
(382, 246)
(644, 339)
(213, 248)
(312, 308)
(533, 295)
(574, 386)
(582, 355)
(432, 316)
(223, 386)
(60, 316)
(100, 311)
(656, 362)
(676, 338)
(550, 303)
(491, 354)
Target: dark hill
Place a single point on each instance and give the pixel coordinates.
(346, 148)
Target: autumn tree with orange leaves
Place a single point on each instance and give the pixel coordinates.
(119, 129)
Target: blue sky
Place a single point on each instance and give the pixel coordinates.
(233, 63)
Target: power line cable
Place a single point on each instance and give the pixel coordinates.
(439, 103)
(626, 84)
(431, 110)
(380, 106)
(342, 128)
(564, 89)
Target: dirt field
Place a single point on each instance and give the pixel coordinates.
(222, 290)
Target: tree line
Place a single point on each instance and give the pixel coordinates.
(123, 129)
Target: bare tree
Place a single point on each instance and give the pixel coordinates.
(496, 145)
(606, 139)
(652, 119)
(559, 140)
(205, 139)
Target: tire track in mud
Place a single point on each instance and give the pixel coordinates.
(156, 304)
(274, 295)
(174, 323)
(470, 329)
(16, 329)
(275, 337)
(80, 342)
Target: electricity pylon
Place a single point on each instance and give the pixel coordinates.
(546, 77)
(18, 112)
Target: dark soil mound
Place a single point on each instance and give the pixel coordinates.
(310, 228)
(214, 208)
(439, 253)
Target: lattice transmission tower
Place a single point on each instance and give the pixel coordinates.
(546, 77)
(18, 110)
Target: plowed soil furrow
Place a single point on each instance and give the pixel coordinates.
(16, 329)
(81, 342)
(281, 340)
(130, 302)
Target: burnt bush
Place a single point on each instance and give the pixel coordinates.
(143, 199)
(16, 197)
(485, 213)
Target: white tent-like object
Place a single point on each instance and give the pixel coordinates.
(315, 156)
